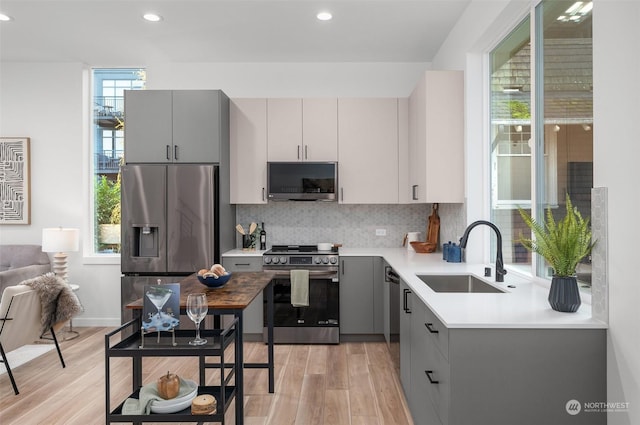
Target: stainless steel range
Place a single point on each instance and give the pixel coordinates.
(319, 321)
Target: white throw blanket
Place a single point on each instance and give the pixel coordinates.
(59, 302)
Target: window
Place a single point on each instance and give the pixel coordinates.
(109, 86)
(541, 115)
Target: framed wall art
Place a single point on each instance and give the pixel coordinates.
(15, 203)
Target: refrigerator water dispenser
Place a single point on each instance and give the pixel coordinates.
(145, 241)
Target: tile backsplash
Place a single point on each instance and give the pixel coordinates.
(354, 226)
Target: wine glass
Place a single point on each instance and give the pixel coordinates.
(197, 310)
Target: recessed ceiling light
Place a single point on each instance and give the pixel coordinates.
(324, 16)
(152, 17)
(5, 18)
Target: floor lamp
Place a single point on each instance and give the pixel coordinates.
(60, 241)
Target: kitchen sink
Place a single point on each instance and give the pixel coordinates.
(458, 283)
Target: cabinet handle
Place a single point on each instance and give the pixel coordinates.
(305, 151)
(263, 192)
(414, 190)
(405, 303)
(168, 152)
(428, 373)
(175, 152)
(298, 151)
(342, 267)
(431, 328)
(342, 193)
(242, 264)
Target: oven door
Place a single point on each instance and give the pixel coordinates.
(319, 322)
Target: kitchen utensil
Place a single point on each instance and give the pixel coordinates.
(324, 246)
(433, 228)
(404, 240)
(411, 237)
(240, 229)
(423, 247)
(252, 228)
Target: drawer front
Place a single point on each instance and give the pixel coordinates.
(436, 377)
(242, 264)
(437, 331)
(423, 410)
(420, 397)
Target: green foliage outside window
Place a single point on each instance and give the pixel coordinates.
(519, 110)
(107, 194)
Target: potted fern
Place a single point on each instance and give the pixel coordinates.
(563, 244)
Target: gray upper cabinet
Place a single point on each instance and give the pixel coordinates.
(175, 126)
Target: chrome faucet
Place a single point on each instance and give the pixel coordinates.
(500, 271)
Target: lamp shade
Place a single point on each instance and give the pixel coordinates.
(58, 239)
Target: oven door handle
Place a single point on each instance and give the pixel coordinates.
(312, 274)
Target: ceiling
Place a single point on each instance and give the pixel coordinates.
(113, 33)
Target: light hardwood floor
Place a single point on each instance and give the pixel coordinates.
(351, 383)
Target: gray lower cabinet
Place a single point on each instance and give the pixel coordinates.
(378, 295)
(406, 299)
(502, 376)
(423, 396)
(252, 317)
(359, 302)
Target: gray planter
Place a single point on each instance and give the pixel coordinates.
(564, 294)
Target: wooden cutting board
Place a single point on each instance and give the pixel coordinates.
(433, 229)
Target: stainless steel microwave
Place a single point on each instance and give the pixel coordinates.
(302, 181)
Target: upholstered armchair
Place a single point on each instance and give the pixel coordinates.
(21, 262)
(21, 323)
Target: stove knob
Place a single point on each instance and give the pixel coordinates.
(333, 260)
(325, 260)
(317, 260)
(267, 260)
(276, 260)
(283, 260)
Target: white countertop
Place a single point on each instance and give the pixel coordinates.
(524, 306)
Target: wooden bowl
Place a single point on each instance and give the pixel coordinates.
(424, 247)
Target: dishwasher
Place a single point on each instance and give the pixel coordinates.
(392, 313)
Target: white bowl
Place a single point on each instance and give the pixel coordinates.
(188, 391)
(325, 246)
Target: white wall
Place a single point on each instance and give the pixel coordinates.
(616, 104)
(47, 103)
(290, 79)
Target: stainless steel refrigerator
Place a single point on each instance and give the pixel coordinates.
(174, 222)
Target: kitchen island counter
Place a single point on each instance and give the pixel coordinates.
(522, 305)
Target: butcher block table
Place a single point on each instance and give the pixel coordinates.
(230, 299)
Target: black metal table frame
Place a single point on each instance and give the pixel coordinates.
(239, 353)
